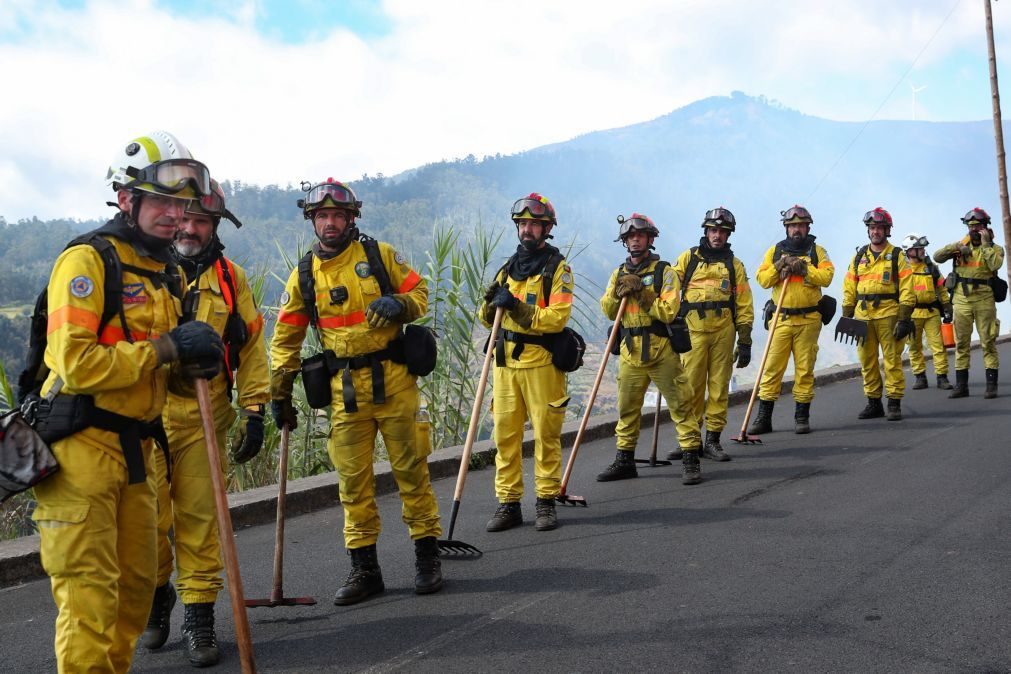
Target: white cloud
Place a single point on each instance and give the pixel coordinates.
(450, 78)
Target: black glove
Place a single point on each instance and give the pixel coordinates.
(742, 354)
(195, 340)
(382, 311)
(848, 311)
(489, 293)
(503, 298)
(903, 328)
(249, 440)
(948, 312)
(284, 414)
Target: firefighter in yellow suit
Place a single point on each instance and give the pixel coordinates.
(219, 295)
(717, 304)
(878, 289)
(372, 391)
(932, 305)
(806, 268)
(526, 383)
(977, 260)
(97, 516)
(645, 348)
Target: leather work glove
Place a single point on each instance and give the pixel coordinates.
(383, 311)
(249, 439)
(193, 341)
(783, 265)
(522, 313)
(503, 298)
(627, 284)
(948, 313)
(986, 236)
(742, 355)
(848, 311)
(284, 414)
(646, 298)
(798, 267)
(489, 293)
(964, 251)
(903, 328)
(202, 368)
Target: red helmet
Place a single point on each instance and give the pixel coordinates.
(878, 216)
(534, 206)
(637, 222)
(976, 216)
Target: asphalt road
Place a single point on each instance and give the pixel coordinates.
(866, 546)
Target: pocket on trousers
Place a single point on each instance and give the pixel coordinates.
(559, 405)
(422, 438)
(64, 534)
(53, 516)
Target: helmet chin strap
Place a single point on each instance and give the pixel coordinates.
(350, 234)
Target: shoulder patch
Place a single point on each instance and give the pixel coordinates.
(647, 279)
(567, 278)
(399, 258)
(362, 269)
(285, 298)
(133, 293)
(567, 269)
(81, 286)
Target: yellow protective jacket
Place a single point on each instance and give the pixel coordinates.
(872, 275)
(710, 282)
(252, 380)
(928, 289)
(981, 266)
(802, 292)
(663, 309)
(123, 377)
(343, 327)
(549, 317)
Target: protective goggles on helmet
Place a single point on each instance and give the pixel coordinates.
(213, 204)
(173, 176)
(636, 223)
(538, 206)
(913, 241)
(719, 217)
(795, 215)
(336, 192)
(976, 216)
(878, 216)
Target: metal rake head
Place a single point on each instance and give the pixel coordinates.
(571, 500)
(850, 331)
(653, 463)
(746, 439)
(283, 601)
(453, 548)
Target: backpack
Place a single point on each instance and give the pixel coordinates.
(35, 373)
(862, 250)
(693, 263)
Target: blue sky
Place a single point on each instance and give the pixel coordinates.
(267, 91)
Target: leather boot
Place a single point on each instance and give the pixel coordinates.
(691, 467)
(507, 516)
(894, 409)
(991, 383)
(675, 454)
(623, 468)
(365, 579)
(712, 449)
(547, 518)
(198, 635)
(874, 409)
(157, 631)
(961, 389)
(763, 422)
(428, 566)
(920, 381)
(801, 418)
(943, 383)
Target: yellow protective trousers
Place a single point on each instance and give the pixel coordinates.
(929, 327)
(186, 505)
(537, 393)
(880, 336)
(797, 337)
(98, 547)
(983, 313)
(708, 367)
(669, 377)
(352, 449)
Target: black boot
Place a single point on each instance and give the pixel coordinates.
(894, 409)
(547, 518)
(874, 409)
(157, 631)
(429, 577)
(623, 468)
(365, 579)
(507, 516)
(763, 422)
(712, 449)
(675, 454)
(801, 418)
(691, 467)
(920, 381)
(961, 389)
(943, 383)
(198, 635)
(991, 383)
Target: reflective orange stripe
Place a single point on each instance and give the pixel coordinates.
(796, 279)
(341, 321)
(560, 298)
(826, 265)
(226, 291)
(113, 333)
(905, 272)
(82, 318)
(920, 288)
(296, 319)
(409, 283)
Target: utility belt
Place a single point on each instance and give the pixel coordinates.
(66, 415)
(826, 308)
(703, 307)
(995, 283)
(876, 298)
(928, 305)
(676, 332)
(566, 347)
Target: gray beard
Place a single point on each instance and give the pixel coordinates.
(189, 248)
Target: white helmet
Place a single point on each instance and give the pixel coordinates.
(914, 241)
(159, 163)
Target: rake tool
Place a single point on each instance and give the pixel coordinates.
(651, 461)
(450, 546)
(277, 597)
(563, 497)
(231, 557)
(744, 437)
(850, 331)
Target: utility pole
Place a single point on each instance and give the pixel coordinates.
(998, 132)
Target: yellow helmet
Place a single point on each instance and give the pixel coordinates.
(160, 164)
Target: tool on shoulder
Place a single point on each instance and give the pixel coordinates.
(743, 437)
(850, 330)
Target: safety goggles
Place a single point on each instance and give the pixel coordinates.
(637, 224)
(173, 176)
(795, 213)
(878, 216)
(920, 243)
(720, 216)
(537, 208)
(976, 216)
(213, 204)
(340, 195)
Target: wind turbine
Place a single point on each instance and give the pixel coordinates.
(915, 91)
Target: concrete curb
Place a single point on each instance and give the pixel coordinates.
(19, 558)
